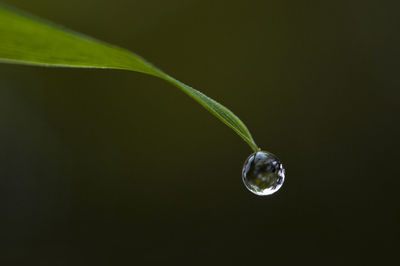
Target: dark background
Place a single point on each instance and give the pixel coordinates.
(117, 168)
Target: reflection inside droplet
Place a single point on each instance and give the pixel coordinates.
(263, 173)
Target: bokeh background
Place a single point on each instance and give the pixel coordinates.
(117, 168)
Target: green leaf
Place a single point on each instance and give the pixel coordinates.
(25, 39)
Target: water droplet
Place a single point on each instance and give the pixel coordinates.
(263, 173)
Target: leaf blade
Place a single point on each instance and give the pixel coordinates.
(33, 41)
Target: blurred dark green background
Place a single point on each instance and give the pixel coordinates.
(117, 168)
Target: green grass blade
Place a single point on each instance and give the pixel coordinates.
(28, 40)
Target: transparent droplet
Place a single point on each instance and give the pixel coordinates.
(263, 173)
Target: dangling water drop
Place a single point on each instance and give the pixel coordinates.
(263, 173)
